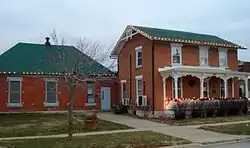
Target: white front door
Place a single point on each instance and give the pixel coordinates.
(105, 98)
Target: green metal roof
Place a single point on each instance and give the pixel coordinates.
(27, 57)
(164, 34)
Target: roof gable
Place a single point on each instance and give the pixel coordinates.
(35, 58)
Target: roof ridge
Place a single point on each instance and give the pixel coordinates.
(184, 37)
(138, 27)
(43, 44)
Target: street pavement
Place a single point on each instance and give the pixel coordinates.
(245, 144)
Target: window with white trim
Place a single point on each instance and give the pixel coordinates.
(176, 50)
(124, 89)
(223, 57)
(51, 89)
(179, 85)
(203, 55)
(242, 88)
(91, 98)
(138, 87)
(15, 92)
(138, 51)
(222, 88)
(206, 88)
(248, 82)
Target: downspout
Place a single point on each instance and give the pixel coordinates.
(153, 79)
(130, 77)
(118, 91)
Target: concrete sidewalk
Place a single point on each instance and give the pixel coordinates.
(75, 135)
(216, 124)
(189, 133)
(129, 121)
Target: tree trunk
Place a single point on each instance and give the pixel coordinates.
(70, 115)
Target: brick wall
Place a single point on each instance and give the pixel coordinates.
(33, 95)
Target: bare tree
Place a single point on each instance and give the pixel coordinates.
(75, 67)
(98, 52)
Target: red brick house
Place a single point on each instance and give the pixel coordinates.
(29, 83)
(156, 64)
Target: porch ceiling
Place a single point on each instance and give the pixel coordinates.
(199, 71)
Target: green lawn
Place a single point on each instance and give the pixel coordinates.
(200, 121)
(144, 139)
(236, 129)
(34, 124)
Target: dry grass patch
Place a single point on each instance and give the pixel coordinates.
(35, 124)
(144, 139)
(236, 129)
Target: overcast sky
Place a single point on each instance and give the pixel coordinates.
(104, 20)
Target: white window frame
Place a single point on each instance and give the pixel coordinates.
(206, 87)
(222, 90)
(203, 52)
(137, 95)
(175, 46)
(93, 91)
(223, 51)
(46, 104)
(137, 50)
(242, 87)
(173, 88)
(122, 83)
(15, 104)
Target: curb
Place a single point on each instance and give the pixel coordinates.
(218, 143)
(191, 145)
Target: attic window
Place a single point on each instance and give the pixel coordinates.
(128, 34)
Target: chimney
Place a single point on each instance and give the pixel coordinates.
(47, 43)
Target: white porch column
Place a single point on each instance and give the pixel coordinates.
(164, 91)
(232, 87)
(176, 87)
(246, 88)
(201, 88)
(226, 87)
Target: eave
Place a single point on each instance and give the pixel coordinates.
(54, 74)
(120, 44)
(198, 43)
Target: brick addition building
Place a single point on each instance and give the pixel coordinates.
(29, 83)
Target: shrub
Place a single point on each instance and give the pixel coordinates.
(120, 109)
(209, 107)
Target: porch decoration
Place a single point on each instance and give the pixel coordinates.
(91, 121)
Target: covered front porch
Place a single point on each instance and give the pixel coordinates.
(195, 81)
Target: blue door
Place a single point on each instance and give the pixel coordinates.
(105, 102)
